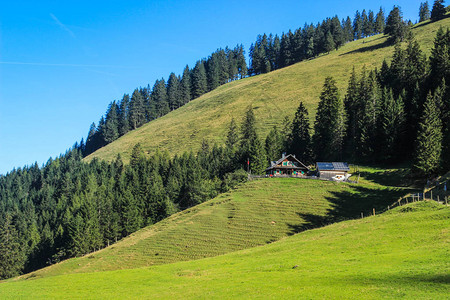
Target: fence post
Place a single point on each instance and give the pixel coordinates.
(374, 211)
(362, 215)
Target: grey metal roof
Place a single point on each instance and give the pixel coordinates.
(332, 166)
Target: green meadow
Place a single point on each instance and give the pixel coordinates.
(257, 213)
(273, 96)
(403, 253)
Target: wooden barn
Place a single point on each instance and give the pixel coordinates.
(333, 170)
(287, 165)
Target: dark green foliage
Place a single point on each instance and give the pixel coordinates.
(438, 11)
(232, 135)
(159, 98)
(123, 115)
(329, 44)
(111, 132)
(136, 114)
(329, 126)
(186, 86)
(380, 21)
(427, 156)
(199, 80)
(396, 28)
(424, 12)
(274, 144)
(440, 58)
(251, 149)
(12, 256)
(357, 26)
(299, 138)
(391, 127)
(174, 92)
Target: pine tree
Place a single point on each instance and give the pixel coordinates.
(186, 85)
(274, 144)
(353, 110)
(199, 80)
(348, 29)
(251, 148)
(440, 59)
(136, 115)
(123, 115)
(366, 27)
(329, 126)
(160, 98)
(241, 62)
(427, 156)
(438, 11)
(232, 135)
(380, 21)
(111, 123)
(299, 138)
(174, 92)
(357, 26)
(392, 122)
(396, 28)
(329, 42)
(12, 259)
(424, 12)
(286, 51)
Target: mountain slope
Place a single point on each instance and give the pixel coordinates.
(273, 96)
(403, 253)
(258, 212)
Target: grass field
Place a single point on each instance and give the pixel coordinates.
(273, 96)
(400, 254)
(259, 212)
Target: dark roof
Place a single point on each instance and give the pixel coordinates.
(292, 157)
(332, 166)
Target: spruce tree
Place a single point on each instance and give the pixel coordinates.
(329, 42)
(424, 12)
(160, 98)
(186, 85)
(136, 115)
(329, 126)
(396, 28)
(348, 29)
(427, 156)
(299, 139)
(111, 123)
(380, 21)
(12, 258)
(232, 135)
(251, 148)
(174, 94)
(357, 26)
(123, 115)
(274, 144)
(438, 11)
(199, 80)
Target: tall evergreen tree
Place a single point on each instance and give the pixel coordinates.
(123, 115)
(199, 80)
(186, 85)
(380, 21)
(427, 156)
(12, 258)
(357, 26)
(136, 115)
(274, 144)
(396, 28)
(329, 126)
(111, 123)
(160, 98)
(424, 12)
(299, 139)
(329, 42)
(438, 11)
(232, 135)
(174, 92)
(251, 149)
(348, 29)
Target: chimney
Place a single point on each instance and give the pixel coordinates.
(283, 155)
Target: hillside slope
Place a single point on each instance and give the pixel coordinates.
(257, 213)
(273, 96)
(400, 254)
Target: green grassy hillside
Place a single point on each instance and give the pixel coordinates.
(257, 213)
(273, 96)
(400, 254)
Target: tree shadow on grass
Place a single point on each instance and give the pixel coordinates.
(347, 205)
(369, 47)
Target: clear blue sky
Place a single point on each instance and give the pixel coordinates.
(62, 62)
